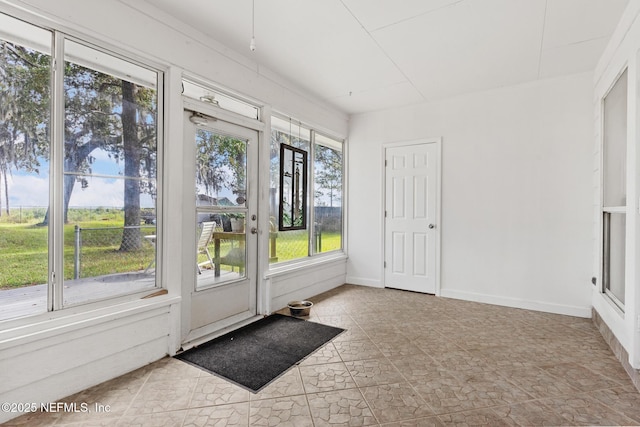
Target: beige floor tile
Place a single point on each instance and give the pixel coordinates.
(325, 354)
(479, 417)
(462, 361)
(580, 377)
(353, 333)
(236, 414)
(162, 396)
(419, 368)
(451, 394)
(396, 402)
(374, 372)
(406, 360)
(357, 350)
(420, 422)
(33, 419)
(289, 384)
(338, 320)
(171, 368)
(211, 390)
(327, 377)
(292, 411)
(398, 348)
(537, 382)
(530, 414)
(586, 410)
(340, 408)
(625, 400)
(164, 419)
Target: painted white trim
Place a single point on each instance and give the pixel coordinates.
(438, 229)
(302, 266)
(518, 303)
(365, 281)
(37, 331)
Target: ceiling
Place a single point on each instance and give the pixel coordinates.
(366, 55)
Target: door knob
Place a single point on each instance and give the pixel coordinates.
(432, 226)
(254, 230)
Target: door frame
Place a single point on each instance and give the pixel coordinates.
(190, 338)
(438, 230)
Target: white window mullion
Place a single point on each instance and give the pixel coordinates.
(311, 194)
(56, 208)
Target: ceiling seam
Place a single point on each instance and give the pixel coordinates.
(424, 98)
(419, 15)
(544, 26)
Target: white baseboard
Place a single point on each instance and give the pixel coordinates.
(365, 281)
(518, 303)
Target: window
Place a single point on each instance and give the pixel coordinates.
(322, 230)
(614, 178)
(101, 155)
(327, 181)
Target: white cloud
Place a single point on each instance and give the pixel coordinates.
(32, 190)
(28, 190)
(100, 192)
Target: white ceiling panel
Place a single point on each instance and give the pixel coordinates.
(468, 46)
(571, 59)
(375, 15)
(397, 95)
(363, 55)
(575, 21)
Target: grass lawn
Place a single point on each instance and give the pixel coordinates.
(24, 261)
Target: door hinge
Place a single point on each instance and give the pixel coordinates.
(385, 163)
(385, 214)
(384, 264)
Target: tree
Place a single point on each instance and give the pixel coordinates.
(24, 111)
(101, 112)
(221, 163)
(328, 174)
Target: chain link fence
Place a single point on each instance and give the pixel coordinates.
(108, 250)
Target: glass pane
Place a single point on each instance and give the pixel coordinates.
(221, 200)
(327, 230)
(221, 170)
(25, 89)
(615, 144)
(285, 245)
(221, 248)
(110, 161)
(614, 254)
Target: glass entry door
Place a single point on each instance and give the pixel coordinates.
(225, 182)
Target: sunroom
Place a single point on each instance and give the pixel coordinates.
(161, 185)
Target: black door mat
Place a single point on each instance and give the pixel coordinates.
(260, 352)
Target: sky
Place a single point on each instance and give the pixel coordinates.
(32, 190)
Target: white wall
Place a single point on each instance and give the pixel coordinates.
(516, 193)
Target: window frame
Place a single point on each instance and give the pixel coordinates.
(55, 307)
(312, 256)
(605, 211)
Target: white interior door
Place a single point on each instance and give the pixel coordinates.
(411, 239)
(224, 258)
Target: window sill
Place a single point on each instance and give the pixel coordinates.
(302, 265)
(35, 328)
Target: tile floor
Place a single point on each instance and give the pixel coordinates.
(405, 360)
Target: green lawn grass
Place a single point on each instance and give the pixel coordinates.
(24, 260)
